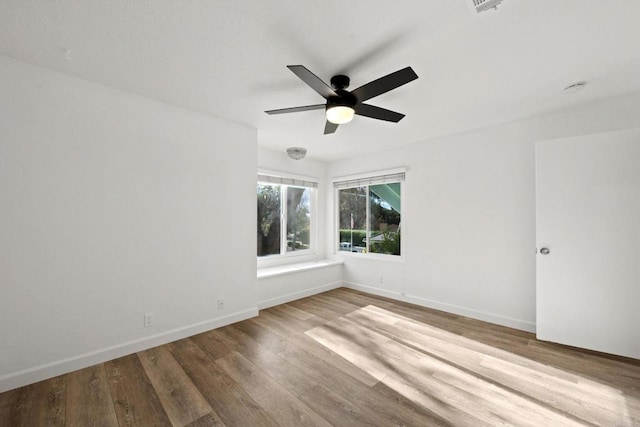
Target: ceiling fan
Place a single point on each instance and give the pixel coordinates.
(342, 104)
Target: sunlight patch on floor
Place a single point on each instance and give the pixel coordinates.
(467, 381)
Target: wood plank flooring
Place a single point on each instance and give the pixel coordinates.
(342, 358)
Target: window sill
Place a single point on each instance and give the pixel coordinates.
(281, 270)
(371, 256)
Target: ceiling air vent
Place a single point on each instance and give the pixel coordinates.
(482, 5)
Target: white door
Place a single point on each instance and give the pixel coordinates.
(588, 224)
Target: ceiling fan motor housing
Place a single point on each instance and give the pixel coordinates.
(340, 82)
(344, 98)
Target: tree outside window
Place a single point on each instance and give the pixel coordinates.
(283, 227)
(298, 218)
(269, 214)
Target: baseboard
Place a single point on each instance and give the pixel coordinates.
(49, 370)
(497, 319)
(283, 299)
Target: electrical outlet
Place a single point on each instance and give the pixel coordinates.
(220, 304)
(148, 320)
(380, 278)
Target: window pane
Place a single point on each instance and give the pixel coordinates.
(352, 208)
(268, 219)
(298, 218)
(384, 224)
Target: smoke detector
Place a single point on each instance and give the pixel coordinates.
(483, 5)
(296, 153)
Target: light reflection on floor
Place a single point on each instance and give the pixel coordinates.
(468, 382)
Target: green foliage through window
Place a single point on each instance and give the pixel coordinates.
(269, 219)
(283, 227)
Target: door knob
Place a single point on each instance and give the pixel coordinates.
(545, 251)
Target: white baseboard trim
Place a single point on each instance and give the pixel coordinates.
(498, 319)
(53, 369)
(283, 299)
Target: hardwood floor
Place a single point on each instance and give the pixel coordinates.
(342, 358)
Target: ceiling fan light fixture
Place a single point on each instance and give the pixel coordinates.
(340, 114)
(342, 104)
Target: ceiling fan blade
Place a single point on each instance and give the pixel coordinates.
(312, 80)
(296, 109)
(378, 113)
(330, 127)
(384, 84)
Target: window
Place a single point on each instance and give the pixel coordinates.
(284, 215)
(369, 214)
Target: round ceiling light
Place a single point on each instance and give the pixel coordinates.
(340, 114)
(296, 153)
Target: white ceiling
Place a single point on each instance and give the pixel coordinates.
(228, 58)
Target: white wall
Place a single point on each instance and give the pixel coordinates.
(469, 214)
(280, 161)
(113, 206)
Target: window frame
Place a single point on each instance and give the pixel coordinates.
(371, 179)
(285, 181)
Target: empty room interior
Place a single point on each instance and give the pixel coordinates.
(295, 213)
